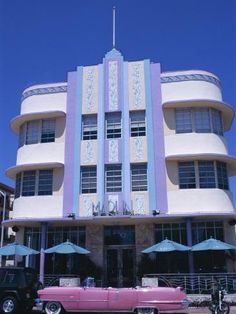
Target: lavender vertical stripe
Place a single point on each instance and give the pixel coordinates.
(100, 142)
(126, 148)
(69, 145)
(159, 140)
(77, 130)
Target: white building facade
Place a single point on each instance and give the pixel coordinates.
(120, 157)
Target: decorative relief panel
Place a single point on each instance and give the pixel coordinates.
(138, 142)
(88, 152)
(87, 205)
(139, 204)
(90, 89)
(113, 85)
(113, 151)
(136, 86)
(138, 149)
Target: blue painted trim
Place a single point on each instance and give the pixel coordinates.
(126, 186)
(100, 140)
(44, 90)
(150, 138)
(78, 111)
(191, 77)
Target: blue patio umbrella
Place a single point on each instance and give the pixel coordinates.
(166, 246)
(212, 245)
(16, 249)
(67, 248)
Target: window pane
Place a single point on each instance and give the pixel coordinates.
(48, 131)
(137, 124)
(139, 177)
(113, 178)
(206, 174)
(222, 176)
(216, 122)
(88, 180)
(22, 135)
(187, 178)
(28, 185)
(18, 185)
(183, 120)
(45, 182)
(89, 127)
(113, 125)
(32, 132)
(202, 120)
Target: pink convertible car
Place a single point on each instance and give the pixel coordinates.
(139, 300)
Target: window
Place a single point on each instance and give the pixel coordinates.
(88, 180)
(217, 122)
(18, 185)
(173, 231)
(45, 182)
(202, 120)
(204, 230)
(222, 177)
(89, 127)
(34, 182)
(28, 184)
(113, 125)
(183, 120)
(199, 120)
(37, 131)
(22, 135)
(187, 178)
(113, 178)
(32, 132)
(139, 177)
(119, 235)
(206, 175)
(48, 131)
(203, 174)
(137, 124)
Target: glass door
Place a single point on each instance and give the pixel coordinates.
(120, 265)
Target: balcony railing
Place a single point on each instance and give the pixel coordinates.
(197, 283)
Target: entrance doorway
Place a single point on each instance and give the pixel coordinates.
(120, 266)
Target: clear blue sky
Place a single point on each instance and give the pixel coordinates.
(41, 40)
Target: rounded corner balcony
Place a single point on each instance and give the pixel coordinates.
(193, 84)
(13, 171)
(44, 97)
(230, 161)
(18, 121)
(226, 110)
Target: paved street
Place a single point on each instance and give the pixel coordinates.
(191, 310)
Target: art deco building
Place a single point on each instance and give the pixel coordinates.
(120, 157)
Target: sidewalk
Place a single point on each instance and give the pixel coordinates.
(204, 310)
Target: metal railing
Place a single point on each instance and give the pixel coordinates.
(197, 283)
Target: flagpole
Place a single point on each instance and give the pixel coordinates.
(114, 28)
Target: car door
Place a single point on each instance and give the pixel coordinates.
(93, 299)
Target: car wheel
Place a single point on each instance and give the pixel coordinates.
(53, 307)
(9, 305)
(146, 310)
